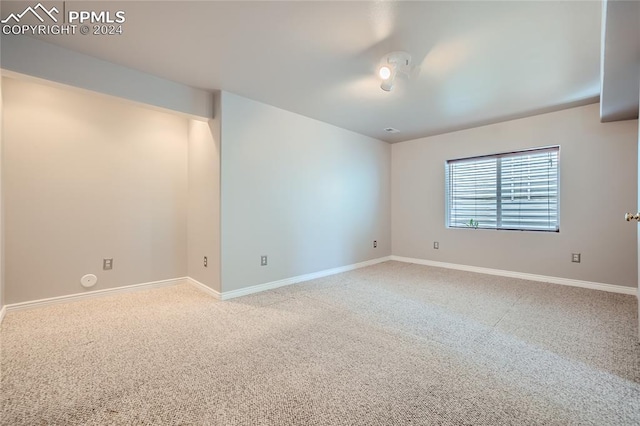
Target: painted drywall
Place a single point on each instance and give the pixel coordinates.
(638, 228)
(36, 58)
(1, 200)
(598, 184)
(88, 177)
(620, 60)
(204, 201)
(309, 195)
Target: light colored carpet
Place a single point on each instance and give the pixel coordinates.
(390, 344)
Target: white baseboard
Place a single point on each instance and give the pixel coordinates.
(165, 283)
(307, 277)
(92, 294)
(226, 295)
(521, 275)
(204, 288)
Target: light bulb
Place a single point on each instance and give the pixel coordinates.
(384, 72)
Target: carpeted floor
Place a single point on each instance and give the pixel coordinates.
(391, 344)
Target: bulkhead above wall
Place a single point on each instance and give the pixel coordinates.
(45, 61)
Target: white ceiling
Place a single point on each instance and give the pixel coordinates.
(480, 61)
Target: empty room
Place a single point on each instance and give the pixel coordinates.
(319, 212)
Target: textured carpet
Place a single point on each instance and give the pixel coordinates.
(391, 344)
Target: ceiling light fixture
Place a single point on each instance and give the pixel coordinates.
(393, 64)
(385, 72)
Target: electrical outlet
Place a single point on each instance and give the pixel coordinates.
(436, 245)
(575, 257)
(263, 260)
(107, 264)
(375, 244)
(205, 261)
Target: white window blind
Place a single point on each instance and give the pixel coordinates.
(517, 191)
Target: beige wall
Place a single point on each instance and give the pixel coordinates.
(638, 229)
(2, 298)
(204, 201)
(598, 169)
(309, 195)
(89, 177)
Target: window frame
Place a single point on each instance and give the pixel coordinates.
(498, 157)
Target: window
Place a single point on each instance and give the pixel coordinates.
(514, 191)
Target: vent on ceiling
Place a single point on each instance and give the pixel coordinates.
(391, 130)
